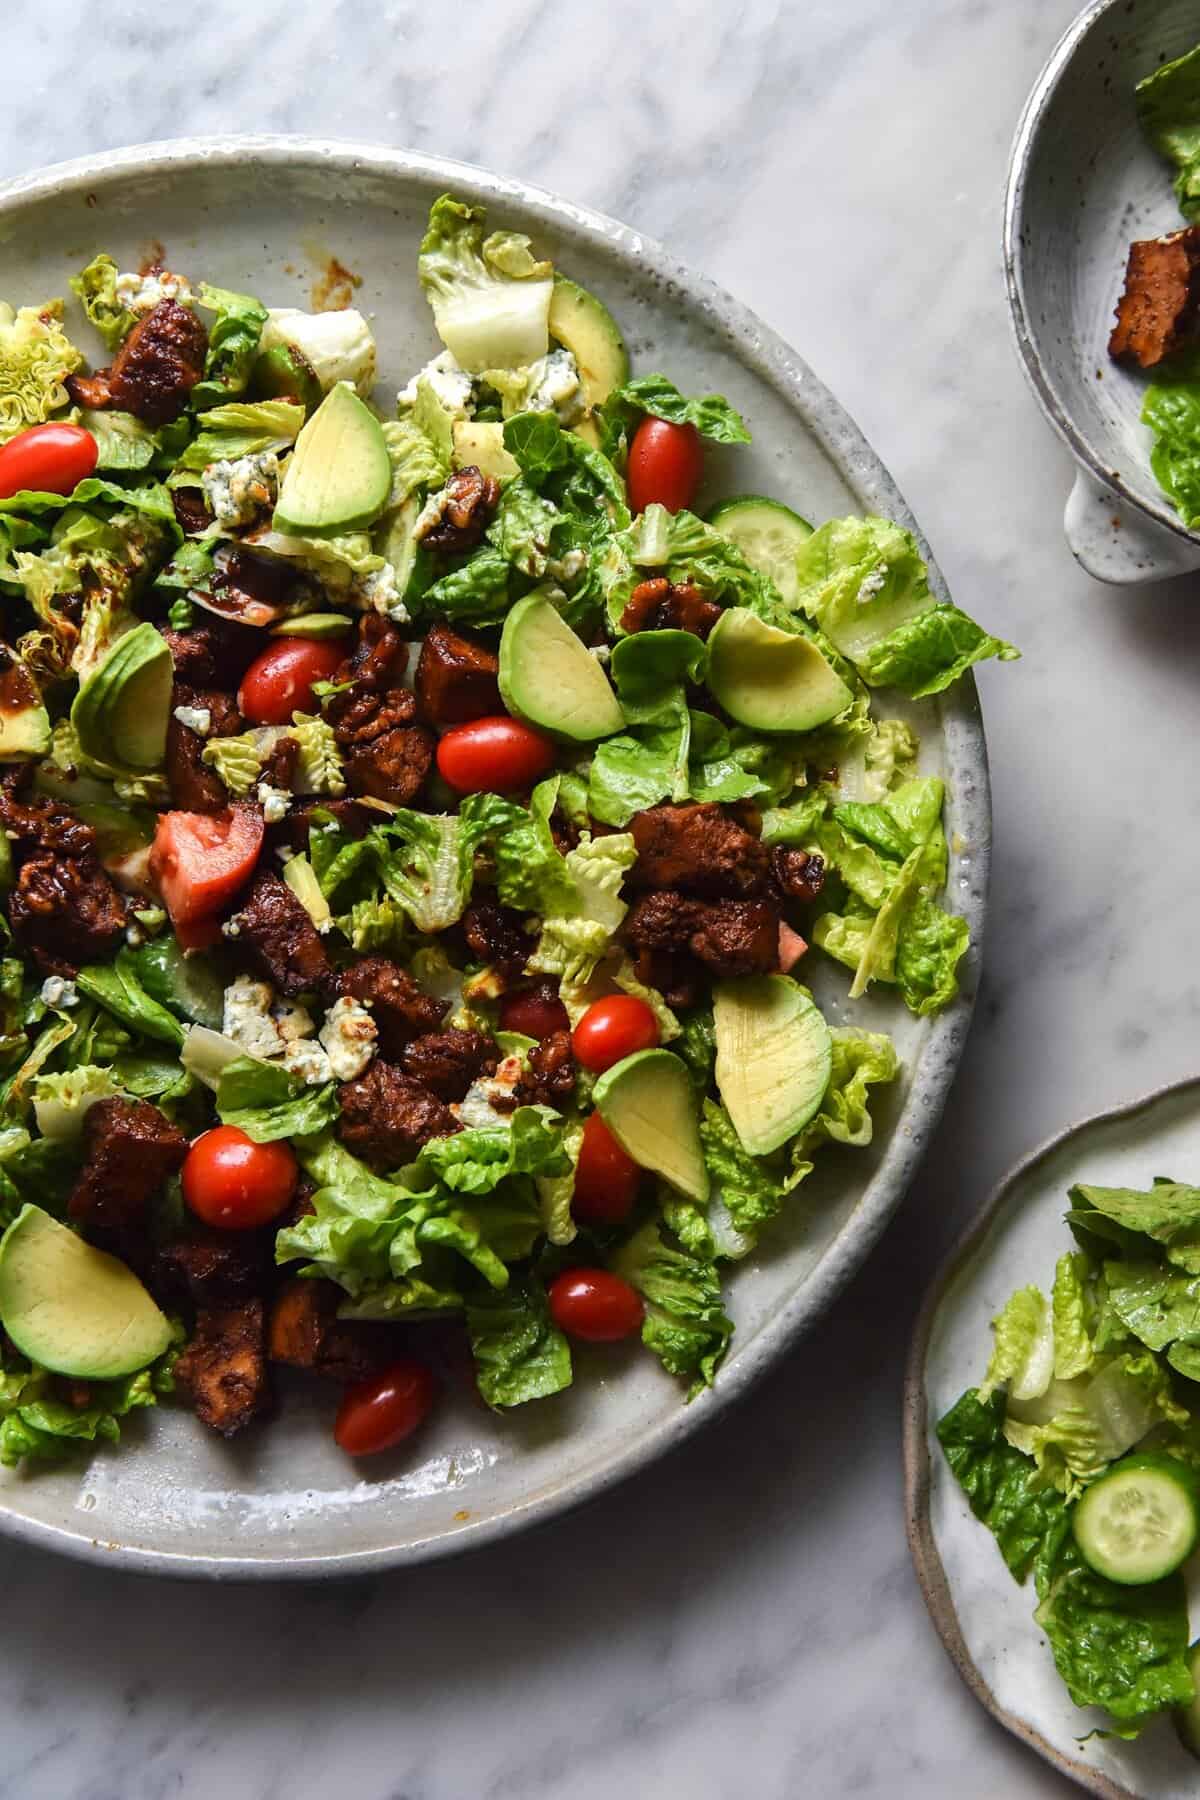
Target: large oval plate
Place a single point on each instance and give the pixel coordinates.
(985, 1620)
(264, 215)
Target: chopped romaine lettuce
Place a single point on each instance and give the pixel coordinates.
(490, 298)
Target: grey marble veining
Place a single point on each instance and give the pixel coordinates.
(744, 1618)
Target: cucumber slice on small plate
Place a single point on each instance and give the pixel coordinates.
(768, 534)
(1139, 1521)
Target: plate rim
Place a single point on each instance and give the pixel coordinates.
(918, 1464)
(762, 350)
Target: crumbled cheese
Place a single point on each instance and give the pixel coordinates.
(196, 718)
(348, 1037)
(142, 293)
(554, 386)
(451, 384)
(135, 937)
(872, 584)
(246, 1017)
(237, 491)
(58, 991)
(293, 1021)
(377, 592)
(231, 928)
(602, 653)
(567, 566)
(306, 1060)
(478, 1105)
(431, 514)
(274, 801)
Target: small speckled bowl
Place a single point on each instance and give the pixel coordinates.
(272, 215)
(1083, 184)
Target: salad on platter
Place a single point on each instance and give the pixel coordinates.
(415, 824)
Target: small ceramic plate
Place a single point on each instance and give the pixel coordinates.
(985, 1620)
(271, 216)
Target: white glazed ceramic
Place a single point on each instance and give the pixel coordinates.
(1083, 184)
(985, 1620)
(265, 215)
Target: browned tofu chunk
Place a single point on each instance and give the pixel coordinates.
(699, 850)
(447, 1062)
(277, 932)
(130, 1148)
(730, 937)
(1159, 311)
(305, 1332)
(223, 1371)
(387, 1117)
(457, 677)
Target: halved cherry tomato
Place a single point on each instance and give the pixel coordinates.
(606, 1177)
(612, 1029)
(534, 1012)
(497, 755)
(48, 459)
(665, 465)
(200, 860)
(235, 1184)
(198, 934)
(384, 1409)
(280, 681)
(595, 1305)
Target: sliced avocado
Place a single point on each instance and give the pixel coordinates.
(340, 474)
(584, 326)
(480, 444)
(774, 1055)
(72, 1308)
(281, 373)
(120, 713)
(24, 721)
(548, 678)
(301, 877)
(7, 872)
(314, 625)
(649, 1104)
(769, 679)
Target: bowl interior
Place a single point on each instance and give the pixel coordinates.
(268, 218)
(1085, 184)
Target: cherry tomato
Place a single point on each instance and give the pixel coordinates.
(594, 1305)
(198, 934)
(200, 860)
(665, 464)
(235, 1184)
(535, 1012)
(48, 459)
(280, 681)
(606, 1177)
(612, 1029)
(497, 755)
(384, 1409)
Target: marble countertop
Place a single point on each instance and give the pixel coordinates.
(744, 1617)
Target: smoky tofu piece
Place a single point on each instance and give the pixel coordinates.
(348, 815)
(1159, 310)
(729, 937)
(697, 849)
(215, 654)
(457, 677)
(130, 1148)
(159, 364)
(387, 1117)
(304, 1332)
(401, 1010)
(447, 1062)
(214, 1268)
(679, 978)
(273, 928)
(386, 754)
(798, 874)
(194, 786)
(222, 1373)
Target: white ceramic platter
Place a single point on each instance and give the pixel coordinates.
(986, 1620)
(265, 215)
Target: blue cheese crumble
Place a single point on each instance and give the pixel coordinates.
(450, 383)
(57, 991)
(348, 1038)
(237, 491)
(196, 718)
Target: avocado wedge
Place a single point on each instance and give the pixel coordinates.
(648, 1103)
(549, 679)
(769, 679)
(774, 1056)
(340, 474)
(584, 326)
(121, 711)
(72, 1308)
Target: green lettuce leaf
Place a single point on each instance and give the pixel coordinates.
(861, 1060)
(478, 593)
(490, 297)
(1171, 408)
(123, 443)
(417, 462)
(242, 428)
(118, 989)
(1000, 1483)
(477, 1161)
(39, 1426)
(864, 582)
(1022, 1359)
(1168, 104)
(519, 1354)
(638, 768)
(556, 1191)
(573, 941)
(1155, 1303)
(96, 288)
(685, 1325)
(751, 1189)
(233, 339)
(268, 1103)
(1168, 1212)
(36, 356)
(1078, 1428)
(1073, 1350)
(61, 1101)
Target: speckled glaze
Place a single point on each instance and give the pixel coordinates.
(266, 214)
(1083, 184)
(984, 1619)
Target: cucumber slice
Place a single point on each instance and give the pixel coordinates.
(768, 534)
(1187, 1718)
(1139, 1521)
